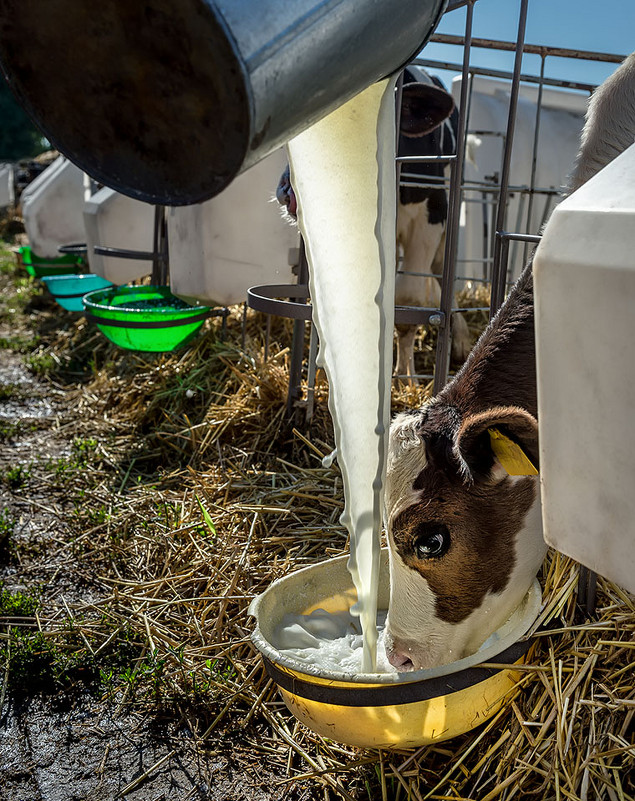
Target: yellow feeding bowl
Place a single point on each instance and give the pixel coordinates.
(385, 710)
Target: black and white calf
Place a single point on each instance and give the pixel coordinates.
(465, 537)
(428, 127)
(422, 210)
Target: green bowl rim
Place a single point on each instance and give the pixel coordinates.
(183, 312)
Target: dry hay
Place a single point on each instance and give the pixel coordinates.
(208, 495)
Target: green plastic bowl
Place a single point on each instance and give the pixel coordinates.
(145, 318)
(38, 267)
(68, 290)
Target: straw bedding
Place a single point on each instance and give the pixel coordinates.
(198, 494)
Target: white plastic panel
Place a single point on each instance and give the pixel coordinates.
(117, 221)
(52, 208)
(585, 331)
(7, 196)
(237, 240)
(561, 121)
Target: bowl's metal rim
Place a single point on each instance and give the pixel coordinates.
(532, 600)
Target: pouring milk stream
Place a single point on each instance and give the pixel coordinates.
(343, 172)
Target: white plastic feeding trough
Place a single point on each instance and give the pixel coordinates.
(237, 240)
(585, 327)
(117, 221)
(52, 208)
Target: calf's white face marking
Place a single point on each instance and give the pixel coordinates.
(463, 551)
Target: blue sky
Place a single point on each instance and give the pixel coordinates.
(607, 27)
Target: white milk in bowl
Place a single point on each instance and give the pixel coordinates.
(343, 173)
(330, 641)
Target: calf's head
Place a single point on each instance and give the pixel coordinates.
(465, 537)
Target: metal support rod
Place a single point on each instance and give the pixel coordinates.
(587, 593)
(297, 341)
(442, 362)
(243, 328)
(311, 373)
(534, 154)
(498, 277)
(159, 275)
(485, 213)
(505, 238)
(267, 337)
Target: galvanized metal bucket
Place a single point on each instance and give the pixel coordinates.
(168, 101)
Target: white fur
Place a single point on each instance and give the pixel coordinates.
(422, 244)
(414, 630)
(610, 123)
(406, 459)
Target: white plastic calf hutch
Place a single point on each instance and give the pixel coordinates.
(117, 221)
(7, 195)
(534, 189)
(220, 248)
(584, 275)
(52, 207)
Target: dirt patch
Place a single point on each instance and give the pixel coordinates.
(92, 751)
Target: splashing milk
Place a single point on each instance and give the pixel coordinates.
(343, 172)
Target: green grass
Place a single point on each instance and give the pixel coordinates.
(7, 526)
(16, 476)
(17, 604)
(9, 391)
(20, 343)
(40, 363)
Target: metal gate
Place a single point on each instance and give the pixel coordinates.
(503, 239)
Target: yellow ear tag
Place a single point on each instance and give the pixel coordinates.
(511, 455)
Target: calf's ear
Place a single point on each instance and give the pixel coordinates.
(423, 108)
(498, 442)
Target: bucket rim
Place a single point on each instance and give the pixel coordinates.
(527, 612)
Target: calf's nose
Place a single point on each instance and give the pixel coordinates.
(399, 659)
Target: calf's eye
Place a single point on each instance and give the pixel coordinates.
(432, 541)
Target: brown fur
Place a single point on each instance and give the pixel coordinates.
(483, 522)
(500, 370)
(461, 485)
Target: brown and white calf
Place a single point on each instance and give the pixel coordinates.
(465, 537)
(428, 127)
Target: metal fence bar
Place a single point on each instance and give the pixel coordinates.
(442, 361)
(534, 154)
(452, 66)
(548, 50)
(498, 276)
